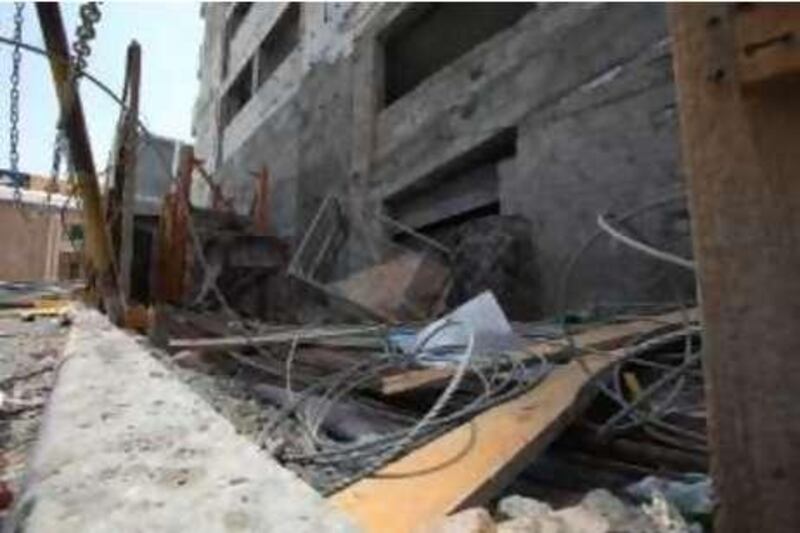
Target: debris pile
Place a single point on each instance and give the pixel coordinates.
(470, 401)
(464, 407)
(374, 264)
(441, 411)
(599, 511)
(32, 332)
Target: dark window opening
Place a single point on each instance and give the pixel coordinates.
(460, 207)
(237, 16)
(143, 243)
(465, 188)
(74, 270)
(238, 94)
(429, 36)
(279, 42)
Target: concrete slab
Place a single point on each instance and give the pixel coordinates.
(125, 446)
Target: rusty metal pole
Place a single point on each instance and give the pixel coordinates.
(261, 218)
(97, 241)
(218, 199)
(172, 260)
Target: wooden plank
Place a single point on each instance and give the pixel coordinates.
(468, 464)
(472, 463)
(261, 204)
(600, 338)
(102, 277)
(741, 152)
(767, 41)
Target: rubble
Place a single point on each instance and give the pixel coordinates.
(476, 520)
(516, 506)
(691, 496)
(379, 267)
(30, 351)
(598, 512)
(439, 306)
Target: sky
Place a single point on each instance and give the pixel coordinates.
(170, 34)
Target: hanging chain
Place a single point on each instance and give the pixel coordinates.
(90, 15)
(55, 169)
(13, 108)
(85, 33)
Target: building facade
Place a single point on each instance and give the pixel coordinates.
(446, 114)
(41, 236)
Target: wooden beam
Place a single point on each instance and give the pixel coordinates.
(767, 42)
(261, 203)
(98, 244)
(130, 139)
(599, 338)
(740, 145)
(475, 461)
(121, 195)
(467, 465)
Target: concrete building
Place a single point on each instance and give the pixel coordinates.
(446, 115)
(38, 245)
(35, 241)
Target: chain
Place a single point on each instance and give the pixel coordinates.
(84, 33)
(55, 169)
(16, 59)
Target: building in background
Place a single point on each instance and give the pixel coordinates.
(36, 242)
(38, 245)
(478, 124)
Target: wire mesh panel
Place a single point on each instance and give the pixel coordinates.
(374, 263)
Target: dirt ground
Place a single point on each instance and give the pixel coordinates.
(29, 354)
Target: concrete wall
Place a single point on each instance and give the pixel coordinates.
(283, 116)
(124, 445)
(584, 90)
(30, 243)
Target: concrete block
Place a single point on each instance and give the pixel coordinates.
(126, 446)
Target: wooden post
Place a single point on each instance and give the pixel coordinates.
(121, 197)
(161, 291)
(130, 139)
(737, 73)
(261, 206)
(97, 239)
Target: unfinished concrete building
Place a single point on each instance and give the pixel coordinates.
(457, 119)
(532, 150)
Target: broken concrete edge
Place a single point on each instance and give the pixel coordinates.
(125, 446)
